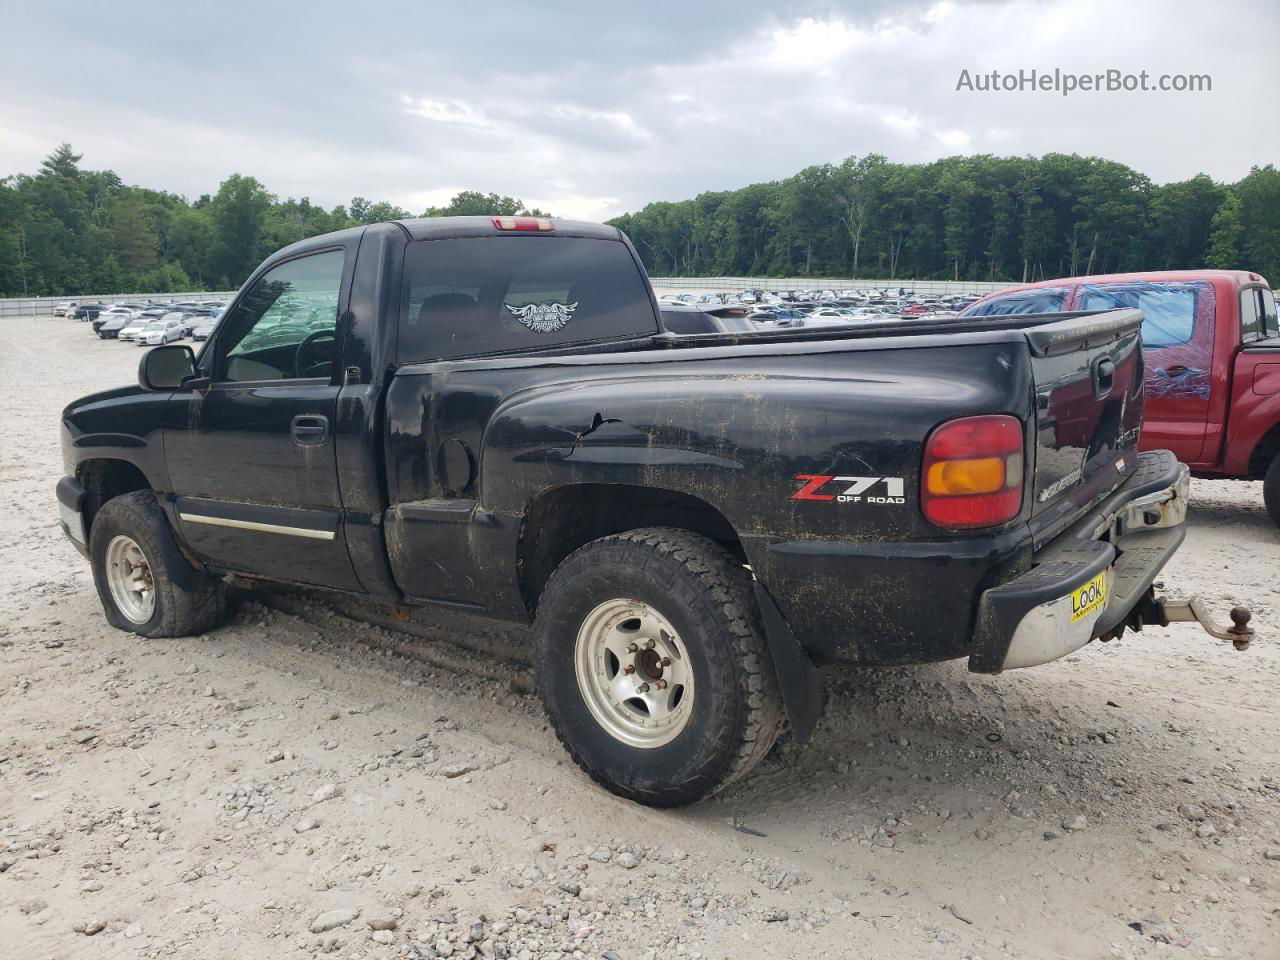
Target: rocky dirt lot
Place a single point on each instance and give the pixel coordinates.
(301, 782)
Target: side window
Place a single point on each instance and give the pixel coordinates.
(1169, 310)
(284, 326)
(1028, 301)
(1270, 323)
(1250, 316)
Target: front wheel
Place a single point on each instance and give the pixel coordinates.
(653, 666)
(1271, 489)
(145, 584)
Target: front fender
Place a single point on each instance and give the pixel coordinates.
(125, 424)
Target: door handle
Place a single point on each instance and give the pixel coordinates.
(1104, 377)
(1178, 370)
(310, 430)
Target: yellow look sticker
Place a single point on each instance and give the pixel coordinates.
(1088, 598)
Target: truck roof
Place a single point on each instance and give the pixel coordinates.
(437, 228)
(1239, 277)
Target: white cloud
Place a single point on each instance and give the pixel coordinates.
(445, 111)
(953, 139)
(611, 113)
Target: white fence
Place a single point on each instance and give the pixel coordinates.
(925, 288)
(43, 306)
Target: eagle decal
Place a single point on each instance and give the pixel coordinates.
(547, 317)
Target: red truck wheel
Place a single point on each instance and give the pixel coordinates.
(653, 666)
(1271, 490)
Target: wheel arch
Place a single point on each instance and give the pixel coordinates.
(560, 520)
(1265, 450)
(105, 478)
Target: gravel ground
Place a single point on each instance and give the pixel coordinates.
(302, 782)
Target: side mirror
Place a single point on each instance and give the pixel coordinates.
(167, 367)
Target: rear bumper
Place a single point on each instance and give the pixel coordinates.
(71, 498)
(1088, 580)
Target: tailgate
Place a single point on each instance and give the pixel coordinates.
(1088, 382)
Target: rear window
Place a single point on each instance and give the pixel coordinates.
(479, 295)
(1029, 301)
(1257, 314)
(1169, 310)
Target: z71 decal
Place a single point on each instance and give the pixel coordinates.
(829, 487)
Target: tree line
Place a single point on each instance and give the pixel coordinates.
(65, 230)
(965, 218)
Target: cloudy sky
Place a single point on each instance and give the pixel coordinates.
(593, 109)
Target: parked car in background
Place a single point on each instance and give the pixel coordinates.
(135, 326)
(164, 331)
(1211, 343)
(109, 325)
(64, 308)
(193, 318)
(204, 329)
(116, 311)
(89, 311)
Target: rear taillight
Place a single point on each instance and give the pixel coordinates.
(973, 472)
(529, 224)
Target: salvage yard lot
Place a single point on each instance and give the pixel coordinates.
(299, 782)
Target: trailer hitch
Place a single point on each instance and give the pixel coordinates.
(1188, 611)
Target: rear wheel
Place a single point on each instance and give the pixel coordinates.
(145, 584)
(1271, 489)
(653, 666)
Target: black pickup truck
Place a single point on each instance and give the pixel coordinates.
(487, 414)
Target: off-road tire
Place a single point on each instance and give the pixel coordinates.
(737, 712)
(1271, 489)
(187, 600)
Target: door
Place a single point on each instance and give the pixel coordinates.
(251, 456)
(1177, 348)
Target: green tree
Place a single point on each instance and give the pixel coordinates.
(239, 215)
(364, 211)
(1259, 195)
(472, 203)
(1181, 215)
(856, 183)
(132, 235)
(1224, 235)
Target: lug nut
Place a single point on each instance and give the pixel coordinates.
(643, 688)
(632, 648)
(660, 684)
(665, 661)
(650, 644)
(629, 668)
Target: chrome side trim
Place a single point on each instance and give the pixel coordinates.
(259, 527)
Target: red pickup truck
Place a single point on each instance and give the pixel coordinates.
(1211, 345)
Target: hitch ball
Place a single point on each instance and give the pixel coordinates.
(1241, 632)
(1193, 611)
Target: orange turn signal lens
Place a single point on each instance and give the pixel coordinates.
(959, 477)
